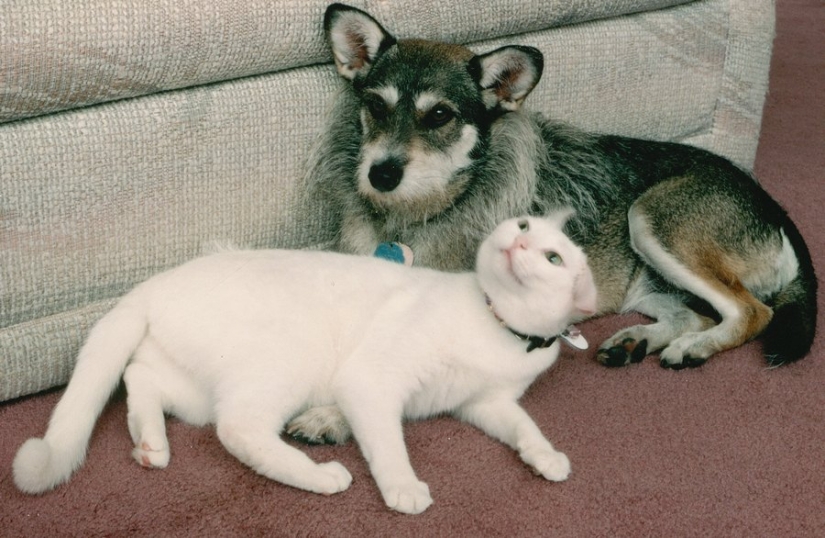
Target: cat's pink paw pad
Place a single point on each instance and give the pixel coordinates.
(150, 458)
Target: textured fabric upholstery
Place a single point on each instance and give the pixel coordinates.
(132, 133)
(66, 54)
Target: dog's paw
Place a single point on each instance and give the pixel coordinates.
(687, 362)
(411, 497)
(320, 425)
(627, 351)
(550, 464)
(688, 351)
(332, 478)
(152, 456)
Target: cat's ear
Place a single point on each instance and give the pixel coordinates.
(356, 39)
(585, 296)
(560, 217)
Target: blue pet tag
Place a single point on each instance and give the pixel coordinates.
(395, 252)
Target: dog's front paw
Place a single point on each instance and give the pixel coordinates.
(626, 352)
(409, 498)
(320, 425)
(688, 351)
(550, 464)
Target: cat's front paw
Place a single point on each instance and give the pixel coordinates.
(151, 456)
(550, 464)
(334, 478)
(409, 498)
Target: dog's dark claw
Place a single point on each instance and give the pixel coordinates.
(312, 441)
(639, 352)
(613, 357)
(687, 362)
(694, 363)
(306, 440)
(675, 366)
(628, 352)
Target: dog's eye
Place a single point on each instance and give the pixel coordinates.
(523, 225)
(438, 116)
(377, 108)
(553, 257)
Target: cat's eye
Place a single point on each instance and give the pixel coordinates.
(553, 257)
(437, 116)
(523, 225)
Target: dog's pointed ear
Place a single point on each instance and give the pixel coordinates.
(357, 39)
(507, 75)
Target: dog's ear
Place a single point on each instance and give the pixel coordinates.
(356, 39)
(507, 75)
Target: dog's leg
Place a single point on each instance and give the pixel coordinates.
(693, 261)
(673, 319)
(318, 425)
(357, 235)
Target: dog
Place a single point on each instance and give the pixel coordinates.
(429, 146)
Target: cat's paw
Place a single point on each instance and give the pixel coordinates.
(409, 498)
(334, 478)
(320, 425)
(550, 464)
(149, 456)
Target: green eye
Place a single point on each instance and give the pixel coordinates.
(553, 257)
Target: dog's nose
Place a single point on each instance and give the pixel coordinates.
(386, 175)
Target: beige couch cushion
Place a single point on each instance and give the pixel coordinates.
(59, 55)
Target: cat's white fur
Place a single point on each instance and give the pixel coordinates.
(248, 339)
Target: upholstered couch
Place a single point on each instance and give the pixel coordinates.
(131, 133)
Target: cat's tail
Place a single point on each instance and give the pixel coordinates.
(790, 333)
(42, 464)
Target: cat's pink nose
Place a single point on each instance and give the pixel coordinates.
(520, 242)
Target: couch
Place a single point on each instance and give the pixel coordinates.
(133, 133)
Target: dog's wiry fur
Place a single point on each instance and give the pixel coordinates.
(428, 145)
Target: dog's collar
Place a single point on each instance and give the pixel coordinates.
(533, 342)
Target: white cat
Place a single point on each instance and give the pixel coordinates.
(248, 339)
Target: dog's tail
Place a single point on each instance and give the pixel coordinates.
(791, 332)
(42, 464)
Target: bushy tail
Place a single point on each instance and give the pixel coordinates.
(42, 464)
(791, 332)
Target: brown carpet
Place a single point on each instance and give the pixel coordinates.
(729, 449)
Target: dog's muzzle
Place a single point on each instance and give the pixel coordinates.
(386, 175)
